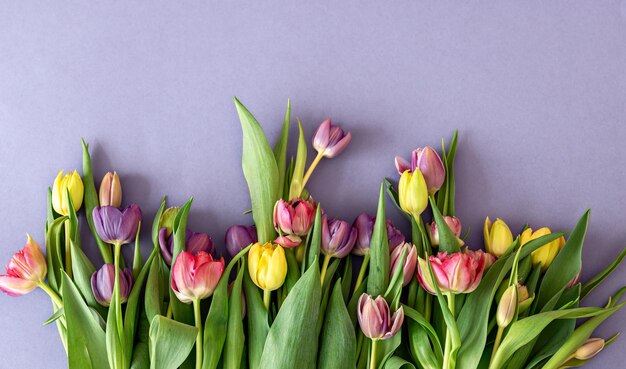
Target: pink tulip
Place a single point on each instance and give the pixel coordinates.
(26, 270)
(456, 273)
(375, 318)
(410, 261)
(330, 140)
(289, 241)
(194, 277)
(429, 163)
(294, 217)
(487, 258)
(453, 223)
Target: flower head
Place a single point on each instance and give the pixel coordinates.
(338, 237)
(410, 261)
(454, 273)
(364, 225)
(62, 184)
(453, 223)
(375, 318)
(194, 277)
(110, 190)
(294, 218)
(103, 280)
(498, 237)
(267, 266)
(330, 140)
(116, 226)
(430, 165)
(26, 270)
(238, 237)
(194, 243)
(545, 254)
(413, 193)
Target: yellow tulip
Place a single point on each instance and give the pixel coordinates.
(267, 266)
(546, 253)
(63, 183)
(498, 237)
(413, 193)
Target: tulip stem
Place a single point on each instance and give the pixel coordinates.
(316, 161)
(198, 319)
(324, 268)
(362, 271)
(68, 252)
(496, 344)
(448, 346)
(117, 247)
(373, 355)
(267, 298)
(53, 295)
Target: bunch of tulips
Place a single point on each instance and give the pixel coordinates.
(302, 289)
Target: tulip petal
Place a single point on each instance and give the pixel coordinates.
(14, 286)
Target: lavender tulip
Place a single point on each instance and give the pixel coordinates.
(115, 226)
(430, 165)
(338, 237)
(330, 140)
(102, 282)
(194, 243)
(364, 225)
(238, 237)
(375, 318)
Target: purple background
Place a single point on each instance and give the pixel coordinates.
(538, 92)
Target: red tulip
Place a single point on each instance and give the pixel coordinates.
(456, 273)
(194, 277)
(26, 270)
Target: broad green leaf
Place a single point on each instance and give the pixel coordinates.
(446, 195)
(396, 362)
(181, 312)
(261, 172)
(115, 336)
(595, 281)
(141, 351)
(326, 285)
(137, 262)
(295, 326)
(235, 336)
(297, 184)
(170, 342)
(346, 279)
(258, 325)
(447, 240)
(423, 340)
(155, 295)
(378, 279)
(280, 149)
(53, 253)
(91, 201)
(338, 340)
(82, 270)
(293, 272)
(354, 301)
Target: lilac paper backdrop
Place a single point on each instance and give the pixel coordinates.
(537, 89)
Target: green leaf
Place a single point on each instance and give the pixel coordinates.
(346, 280)
(157, 222)
(566, 265)
(54, 317)
(446, 195)
(235, 335)
(258, 325)
(295, 326)
(91, 201)
(137, 255)
(141, 352)
(82, 270)
(423, 340)
(280, 149)
(447, 240)
(378, 280)
(53, 253)
(293, 272)
(182, 312)
(338, 341)
(114, 336)
(170, 342)
(396, 362)
(85, 337)
(155, 295)
(261, 172)
(313, 250)
(354, 301)
(598, 279)
(298, 170)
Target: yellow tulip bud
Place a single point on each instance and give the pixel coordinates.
(498, 237)
(545, 254)
(413, 193)
(507, 308)
(267, 266)
(70, 182)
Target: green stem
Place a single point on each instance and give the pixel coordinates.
(496, 344)
(116, 288)
(447, 360)
(53, 295)
(169, 310)
(267, 297)
(198, 319)
(316, 161)
(68, 252)
(362, 271)
(324, 268)
(373, 355)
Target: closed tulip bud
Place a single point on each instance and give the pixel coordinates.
(267, 266)
(330, 140)
(294, 217)
(167, 219)
(589, 349)
(103, 280)
(394, 236)
(364, 225)
(338, 237)
(194, 277)
(544, 255)
(453, 223)
(111, 190)
(70, 182)
(238, 237)
(524, 300)
(115, 226)
(507, 307)
(429, 163)
(410, 261)
(413, 193)
(498, 237)
(375, 318)
(26, 270)
(455, 273)
(194, 243)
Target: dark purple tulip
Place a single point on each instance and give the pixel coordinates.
(238, 237)
(364, 225)
(394, 235)
(338, 237)
(116, 226)
(102, 282)
(330, 140)
(194, 243)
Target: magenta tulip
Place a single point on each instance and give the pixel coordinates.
(410, 261)
(454, 273)
(375, 318)
(294, 217)
(194, 243)
(115, 226)
(330, 140)
(238, 237)
(338, 237)
(429, 163)
(194, 277)
(103, 280)
(26, 270)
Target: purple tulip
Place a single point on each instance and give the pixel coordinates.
(375, 318)
(364, 225)
(194, 243)
(338, 237)
(330, 140)
(116, 226)
(394, 235)
(429, 163)
(102, 282)
(238, 237)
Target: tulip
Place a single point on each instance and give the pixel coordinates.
(289, 241)
(524, 299)
(267, 266)
(110, 190)
(238, 237)
(194, 277)
(375, 318)
(294, 217)
(338, 237)
(194, 243)
(115, 226)
(545, 254)
(454, 274)
(62, 184)
(26, 270)
(410, 261)
(498, 237)
(430, 165)
(480, 255)
(394, 236)
(330, 140)
(413, 193)
(589, 349)
(507, 307)
(453, 223)
(364, 225)
(103, 280)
